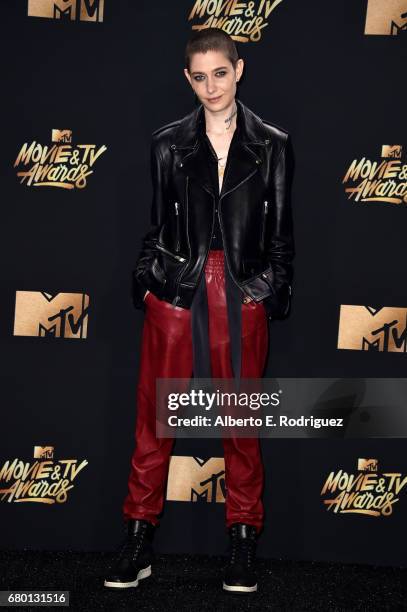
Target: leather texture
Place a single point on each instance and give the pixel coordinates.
(254, 212)
(167, 333)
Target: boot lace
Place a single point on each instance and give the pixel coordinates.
(132, 545)
(243, 550)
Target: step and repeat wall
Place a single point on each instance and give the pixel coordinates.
(84, 85)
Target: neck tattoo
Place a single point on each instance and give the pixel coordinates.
(229, 119)
(221, 166)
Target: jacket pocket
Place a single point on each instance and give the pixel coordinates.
(164, 249)
(158, 272)
(278, 303)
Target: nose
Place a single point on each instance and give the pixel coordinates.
(210, 85)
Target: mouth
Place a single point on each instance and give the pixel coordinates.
(213, 100)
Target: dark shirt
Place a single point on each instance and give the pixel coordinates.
(217, 240)
(200, 313)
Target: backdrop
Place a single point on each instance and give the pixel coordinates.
(84, 85)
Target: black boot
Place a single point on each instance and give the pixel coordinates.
(239, 575)
(133, 561)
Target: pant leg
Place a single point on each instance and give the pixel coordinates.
(244, 472)
(166, 352)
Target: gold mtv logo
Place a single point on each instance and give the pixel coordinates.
(194, 479)
(389, 17)
(367, 328)
(43, 452)
(81, 10)
(367, 465)
(393, 151)
(61, 135)
(63, 315)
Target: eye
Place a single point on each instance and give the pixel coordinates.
(199, 77)
(221, 73)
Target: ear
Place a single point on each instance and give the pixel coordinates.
(239, 68)
(188, 76)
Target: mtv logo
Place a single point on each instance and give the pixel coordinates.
(370, 328)
(192, 479)
(393, 151)
(386, 18)
(63, 315)
(43, 452)
(61, 135)
(367, 465)
(83, 10)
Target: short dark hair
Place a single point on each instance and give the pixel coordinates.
(211, 39)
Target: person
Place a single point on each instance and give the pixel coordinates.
(214, 268)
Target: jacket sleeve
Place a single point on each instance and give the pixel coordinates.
(157, 212)
(280, 248)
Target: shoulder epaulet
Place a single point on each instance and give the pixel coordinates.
(275, 125)
(167, 126)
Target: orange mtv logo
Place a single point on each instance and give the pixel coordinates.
(80, 10)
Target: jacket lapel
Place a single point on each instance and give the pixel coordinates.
(244, 160)
(195, 165)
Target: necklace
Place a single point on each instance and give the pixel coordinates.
(221, 167)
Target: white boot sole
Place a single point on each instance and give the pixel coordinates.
(239, 589)
(144, 573)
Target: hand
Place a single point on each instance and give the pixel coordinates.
(247, 299)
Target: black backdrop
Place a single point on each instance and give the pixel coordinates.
(340, 93)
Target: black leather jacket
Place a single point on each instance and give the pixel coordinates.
(254, 209)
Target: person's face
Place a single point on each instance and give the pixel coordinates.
(213, 79)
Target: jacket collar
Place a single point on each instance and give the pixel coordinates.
(251, 126)
(244, 161)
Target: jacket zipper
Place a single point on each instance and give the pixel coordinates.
(159, 246)
(174, 147)
(289, 299)
(177, 243)
(207, 252)
(177, 297)
(263, 230)
(220, 221)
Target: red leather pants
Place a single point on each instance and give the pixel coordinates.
(167, 352)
